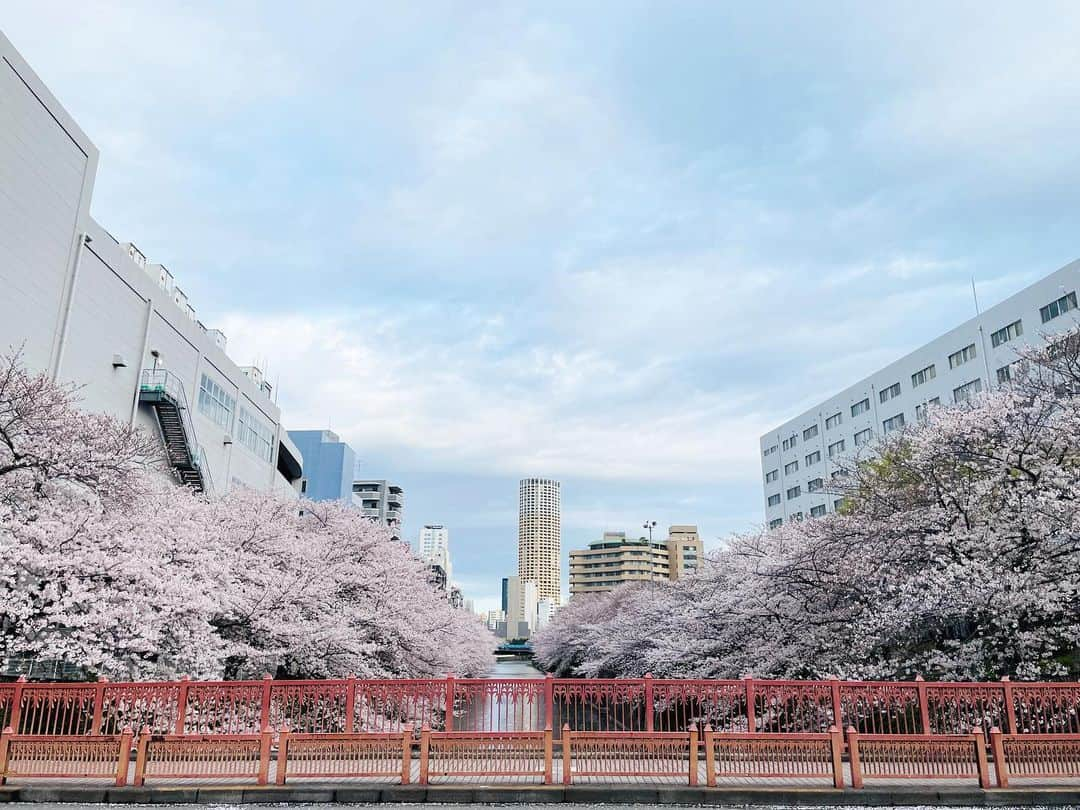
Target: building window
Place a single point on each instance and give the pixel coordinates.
(837, 504)
(967, 391)
(833, 421)
(835, 474)
(924, 408)
(815, 485)
(774, 500)
(1004, 375)
(893, 423)
(791, 467)
(860, 407)
(957, 359)
(1007, 333)
(863, 437)
(771, 476)
(836, 448)
(813, 458)
(254, 435)
(775, 522)
(794, 492)
(923, 376)
(303, 486)
(893, 391)
(817, 511)
(1059, 307)
(789, 443)
(797, 516)
(769, 450)
(809, 433)
(215, 403)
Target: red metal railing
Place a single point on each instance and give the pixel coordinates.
(337, 756)
(351, 705)
(1034, 756)
(774, 756)
(917, 756)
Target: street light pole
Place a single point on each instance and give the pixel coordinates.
(649, 524)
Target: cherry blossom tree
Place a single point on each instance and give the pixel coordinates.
(956, 554)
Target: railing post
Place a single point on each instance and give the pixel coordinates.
(425, 748)
(548, 767)
(979, 740)
(99, 704)
(566, 734)
(549, 700)
(837, 704)
(282, 756)
(140, 756)
(853, 758)
(1001, 768)
(751, 719)
(16, 703)
(1010, 707)
(266, 737)
(924, 705)
(406, 753)
(648, 702)
(123, 758)
(448, 722)
(350, 704)
(836, 739)
(710, 757)
(181, 704)
(264, 709)
(5, 742)
(693, 755)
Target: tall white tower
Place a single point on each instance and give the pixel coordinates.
(540, 536)
(435, 546)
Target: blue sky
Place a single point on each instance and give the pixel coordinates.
(611, 243)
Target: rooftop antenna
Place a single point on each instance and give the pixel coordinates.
(975, 295)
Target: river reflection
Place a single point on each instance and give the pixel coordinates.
(506, 703)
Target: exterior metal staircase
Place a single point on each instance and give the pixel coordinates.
(164, 392)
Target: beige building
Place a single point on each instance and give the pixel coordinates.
(540, 537)
(615, 560)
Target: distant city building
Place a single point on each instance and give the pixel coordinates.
(470, 606)
(493, 619)
(437, 577)
(457, 599)
(512, 606)
(799, 458)
(540, 536)
(545, 612)
(615, 560)
(434, 547)
(329, 465)
(381, 500)
(90, 310)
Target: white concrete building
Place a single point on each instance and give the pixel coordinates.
(799, 457)
(91, 310)
(379, 499)
(434, 547)
(540, 536)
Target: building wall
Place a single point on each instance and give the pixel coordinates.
(329, 464)
(616, 560)
(685, 550)
(540, 536)
(82, 308)
(813, 431)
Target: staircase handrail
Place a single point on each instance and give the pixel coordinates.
(172, 386)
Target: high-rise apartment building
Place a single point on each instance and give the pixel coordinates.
(434, 547)
(616, 559)
(540, 536)
(799, 458)
(90, 310)
(381, 500)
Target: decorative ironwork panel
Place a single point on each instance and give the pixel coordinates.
(225, 757)
(383, 706)
(499, 705)
(633, 754)
(1046, 708)
(224, 707)
(309, 706)
(1045, 757)
(343, 755)
(881, 707)
(68, 757)
(773, 756)
(599, 705)
(7, 703)
(682, 705)
(960, 708)
(488, 754)
(793, 707)
(55, 709)
(140, 705)
(922, 758)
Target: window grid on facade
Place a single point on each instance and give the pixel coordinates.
(966, 391)
(775, 523)
(815, 485)
(1004, 375)
(833, 421)
(254, 435)
(893, 391)
(813, 458)
(964, 355)
(774, 500)
(791, 467)
(860, 407)
(817, 511)
(863, 437)
(1058, 307)
(789, 443)
(923, 375)
(893, 423)
(771, 476)
(215, 403)
(809, 433)
(1006, 333)
(922, 409)
(836, 448)
(794, 492)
